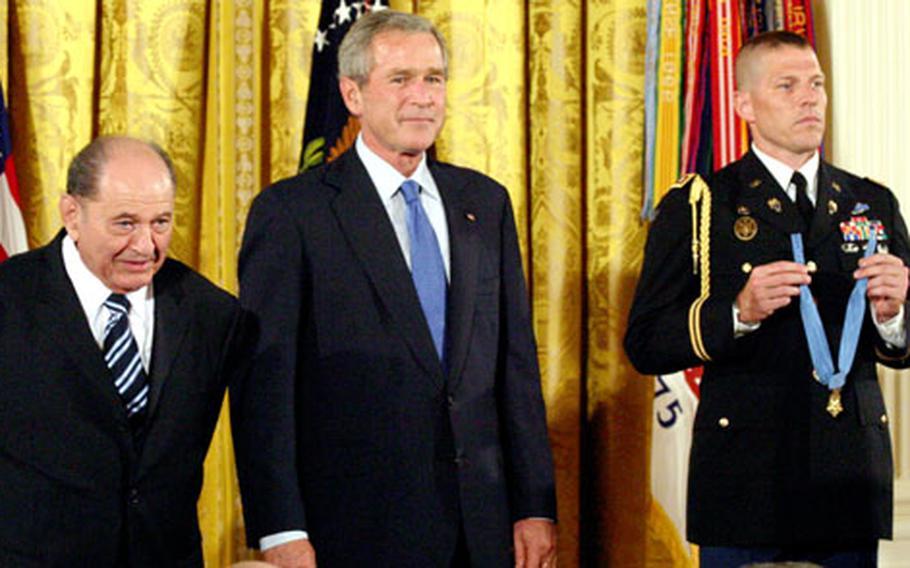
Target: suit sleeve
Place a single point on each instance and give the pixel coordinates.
(900, 247)
(669, 328)
(526, 445)
(262, 403)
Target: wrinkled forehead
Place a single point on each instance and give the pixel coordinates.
(415, 46)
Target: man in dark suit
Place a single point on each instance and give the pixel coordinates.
(112, 374)
(393, 416)
(789, 461)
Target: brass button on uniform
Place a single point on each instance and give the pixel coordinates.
(884, 418)
(747, 267)
(724, 422)
(812, 266)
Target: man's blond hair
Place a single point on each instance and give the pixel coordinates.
(752, 50)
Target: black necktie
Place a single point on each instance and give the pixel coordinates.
(122, 357)
(805, 207)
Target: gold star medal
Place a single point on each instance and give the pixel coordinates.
(834, 404)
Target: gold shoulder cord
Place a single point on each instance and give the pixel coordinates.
(701, 258)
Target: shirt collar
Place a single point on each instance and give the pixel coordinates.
(782, 173)
(89, 289)
(387, 179)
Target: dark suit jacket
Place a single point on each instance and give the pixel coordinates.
(73, 489)
(769, 465)
(349, 426)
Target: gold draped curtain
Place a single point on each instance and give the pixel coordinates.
(544, 95)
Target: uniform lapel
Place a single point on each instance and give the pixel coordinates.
(171, 324)
(833, 202)
(761, 195)
(369, 232)
(464, 245)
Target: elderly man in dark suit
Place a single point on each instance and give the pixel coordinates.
(112, 373)
(394, 414)
(790, 290)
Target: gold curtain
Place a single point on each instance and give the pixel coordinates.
(544, 95)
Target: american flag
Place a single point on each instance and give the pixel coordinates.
(12, 228)
(328, 129)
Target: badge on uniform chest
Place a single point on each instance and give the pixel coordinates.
(745, 228)
(859, 227)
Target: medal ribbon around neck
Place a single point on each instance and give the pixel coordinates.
(815, 333)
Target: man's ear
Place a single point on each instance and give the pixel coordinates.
(742, 104)
(350, 93)
(70, 210)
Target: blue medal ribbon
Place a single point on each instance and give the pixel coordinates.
(815, 333)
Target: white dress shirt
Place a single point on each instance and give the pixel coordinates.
(891, 331)
(92, 293)
(388, 180)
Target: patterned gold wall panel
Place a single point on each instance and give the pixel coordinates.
(486, 112)
(556, 135)
(151, 81)
(4, 45)
(232, 174)
(291, 29)
(51, 80)
(619, 400)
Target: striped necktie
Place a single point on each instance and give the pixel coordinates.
(122, 357)
(427, 269)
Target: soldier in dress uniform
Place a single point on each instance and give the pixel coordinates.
(786, 278)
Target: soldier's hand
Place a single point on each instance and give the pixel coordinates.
(887, 289)
(770, 287)
(293, 554)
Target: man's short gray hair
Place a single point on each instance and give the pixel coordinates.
(85, 169)
(355, 56)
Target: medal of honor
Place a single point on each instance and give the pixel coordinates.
(819, 350)
(834, 406)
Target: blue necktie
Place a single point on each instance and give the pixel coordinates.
(122, 357)
(427, 268)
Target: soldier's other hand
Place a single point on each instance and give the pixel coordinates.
(770, 287)
(887, 289)
(293, 554)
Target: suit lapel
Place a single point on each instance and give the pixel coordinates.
(60, 310)
(170, 327)
(369, 232)
(464, 245)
